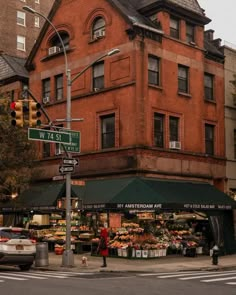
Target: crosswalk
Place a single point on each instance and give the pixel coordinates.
(225, 277)
(38, 275)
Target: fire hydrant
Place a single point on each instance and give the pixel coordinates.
(215, 255)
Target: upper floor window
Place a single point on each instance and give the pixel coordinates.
(153, 70)
(98, 28)
(98, 76)
(190, 36)
(209, 139)
(159, 130)
(183, 79)
(208, 86)
(174, 28)
(173, 128)
(108, 131)
(59, 87)
(20, 18)
(20, 43)
(56, 45)
(36, 21)
(46, 89)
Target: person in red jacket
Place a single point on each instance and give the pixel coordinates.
(103, 247)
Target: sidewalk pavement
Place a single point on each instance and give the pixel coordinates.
(160, 264)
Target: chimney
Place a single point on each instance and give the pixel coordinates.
(209, 35)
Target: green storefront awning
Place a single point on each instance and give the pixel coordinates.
(39, 196)
(149, 193)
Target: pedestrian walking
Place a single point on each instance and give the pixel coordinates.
(103, 247)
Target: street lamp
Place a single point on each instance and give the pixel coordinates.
(68, 259)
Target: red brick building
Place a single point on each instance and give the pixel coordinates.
(154, 90)
(155, 109)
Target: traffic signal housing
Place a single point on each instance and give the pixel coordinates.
(34, 113)
(17, 113)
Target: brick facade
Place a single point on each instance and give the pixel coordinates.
(128, 95)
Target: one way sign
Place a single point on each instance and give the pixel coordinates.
(70, 161)
(66, 169)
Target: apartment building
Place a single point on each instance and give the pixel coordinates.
(18, 31)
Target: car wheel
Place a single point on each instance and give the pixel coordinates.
(25, 267)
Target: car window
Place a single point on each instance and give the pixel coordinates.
(14, 234)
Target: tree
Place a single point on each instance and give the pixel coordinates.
(17, 155)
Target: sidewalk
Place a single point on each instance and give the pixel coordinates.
(161, 264)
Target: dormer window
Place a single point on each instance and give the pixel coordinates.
(190, 33)
(174, 28)
(56, 45)
(98, 28)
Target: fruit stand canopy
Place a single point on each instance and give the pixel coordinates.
(130, 193)
(149, 193)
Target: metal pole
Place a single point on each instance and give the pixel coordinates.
(68, 256)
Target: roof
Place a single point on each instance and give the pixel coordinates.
(192, 5)
(12, 66)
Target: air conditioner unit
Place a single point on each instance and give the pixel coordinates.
(46, 100)
(53, 50)
(99, 34)
(175, 145)
(96, 89)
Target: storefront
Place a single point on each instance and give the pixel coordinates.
(153, 217)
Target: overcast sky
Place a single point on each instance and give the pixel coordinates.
(223, 16)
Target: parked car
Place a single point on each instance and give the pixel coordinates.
(16, 247)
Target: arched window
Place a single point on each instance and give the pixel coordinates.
(55, 41)
(98, 28)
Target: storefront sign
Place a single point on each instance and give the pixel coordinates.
(148, 206)
(207, 206)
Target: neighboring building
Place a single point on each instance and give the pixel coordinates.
(13, 76)
(155, 110)
(229, 52)
(19, 31)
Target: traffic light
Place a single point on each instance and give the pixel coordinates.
(17, 113)
(34, 113)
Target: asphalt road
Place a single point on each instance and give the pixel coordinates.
(67, 283)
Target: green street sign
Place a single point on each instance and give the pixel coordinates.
(48, 135)
(74, 146)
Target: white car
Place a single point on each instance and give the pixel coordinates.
(16, 247)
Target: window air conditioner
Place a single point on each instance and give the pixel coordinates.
(46, 100)
(99, 34)
(53, 49)
(175, 145)
(96, 89)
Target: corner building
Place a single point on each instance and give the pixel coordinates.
(153, 115)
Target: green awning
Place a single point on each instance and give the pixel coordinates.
(150, 193)
(39, 196)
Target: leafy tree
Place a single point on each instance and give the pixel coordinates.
(17, 154)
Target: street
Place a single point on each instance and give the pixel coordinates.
(172, 283)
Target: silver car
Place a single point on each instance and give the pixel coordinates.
(16, 247)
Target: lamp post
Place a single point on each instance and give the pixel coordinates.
(68, 259)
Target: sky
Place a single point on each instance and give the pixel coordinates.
(222, 14)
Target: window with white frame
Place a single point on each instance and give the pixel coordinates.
(20, 43)
(20, 19)
(59, 87)
(174, 28)
(98, 76)
(153, 70)
(36, 21)
(183, 79)
(108, 131)
(209, 86)
(98, 28)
